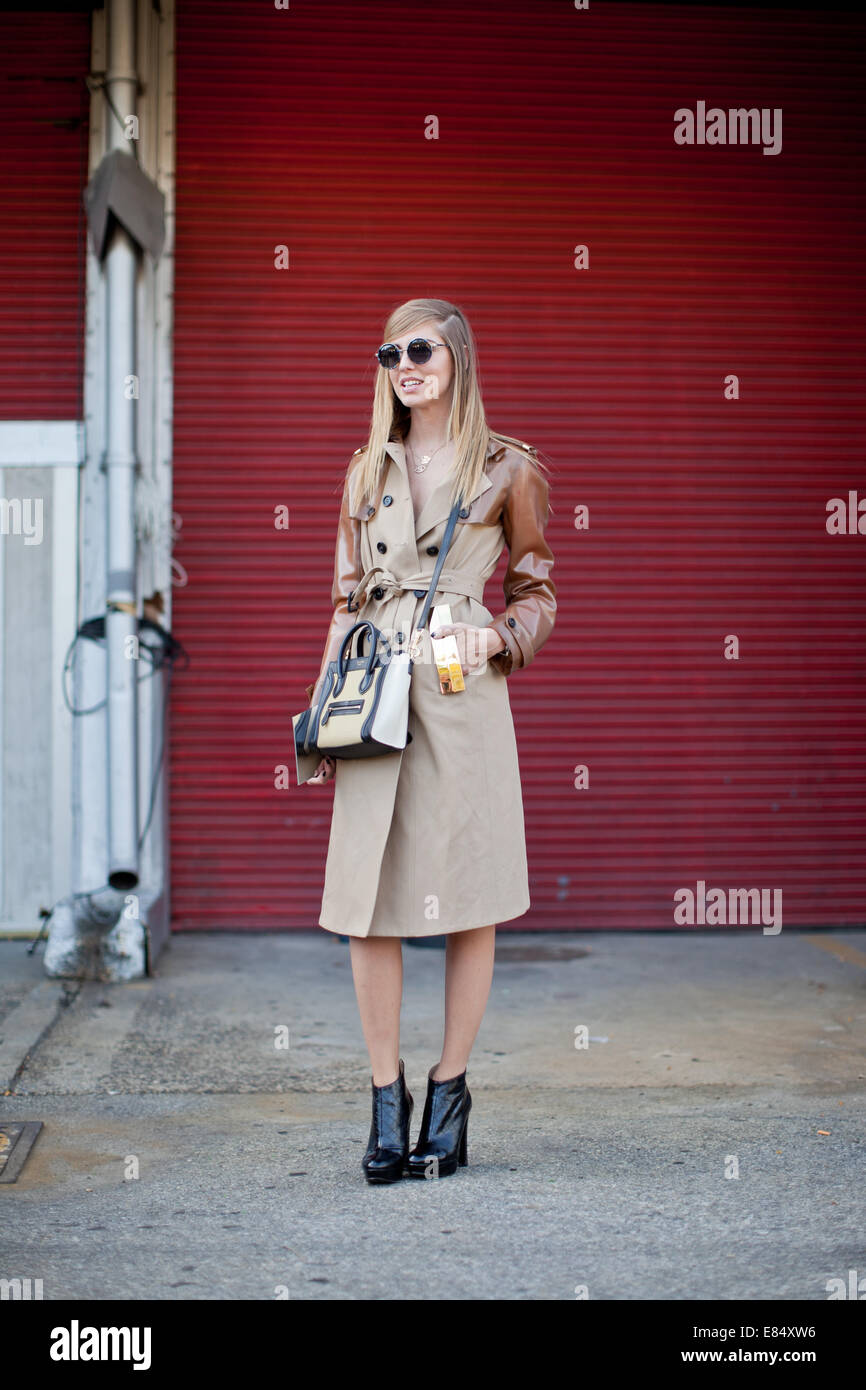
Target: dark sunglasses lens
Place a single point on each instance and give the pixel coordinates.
(419, 351)
(389, 356)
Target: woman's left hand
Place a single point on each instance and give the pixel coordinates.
(475, 645)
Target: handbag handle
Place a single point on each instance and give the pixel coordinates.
(440, 561)
(364, 627)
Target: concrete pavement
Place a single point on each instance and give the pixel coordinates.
(707, 1142)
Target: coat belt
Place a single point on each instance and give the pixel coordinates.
(462, 582)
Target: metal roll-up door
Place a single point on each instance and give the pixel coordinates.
(44, 106)
(305, 128)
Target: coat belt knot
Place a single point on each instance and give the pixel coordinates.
(451, 581)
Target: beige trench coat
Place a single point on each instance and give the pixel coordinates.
(430, 839)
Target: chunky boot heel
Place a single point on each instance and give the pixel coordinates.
(388, 1145)
(442, 1141)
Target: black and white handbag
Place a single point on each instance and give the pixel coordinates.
(363, 705)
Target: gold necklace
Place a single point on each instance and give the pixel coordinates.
(425, 458)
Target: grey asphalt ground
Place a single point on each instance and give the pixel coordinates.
(185, 1155)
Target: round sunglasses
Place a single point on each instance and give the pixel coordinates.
(419, 351)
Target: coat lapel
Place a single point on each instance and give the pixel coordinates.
(437, 507)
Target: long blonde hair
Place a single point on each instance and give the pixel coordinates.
(467, 424)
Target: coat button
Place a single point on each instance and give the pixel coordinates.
(432, 550)
(370, 510)
(387, 500)
(464, 511)
(381, 546)
(419, 593)
(378, 591)
(512, 623)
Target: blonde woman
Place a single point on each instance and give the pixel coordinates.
(429, 840)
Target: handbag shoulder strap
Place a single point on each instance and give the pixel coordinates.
(440, 560)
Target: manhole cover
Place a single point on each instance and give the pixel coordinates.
(540, 952)
(17, 1138)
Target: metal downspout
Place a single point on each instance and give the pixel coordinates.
(121, 625)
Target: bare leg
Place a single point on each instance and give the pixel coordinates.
(377, 969)
(468, 975)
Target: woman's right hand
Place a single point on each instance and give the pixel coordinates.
(326, 770)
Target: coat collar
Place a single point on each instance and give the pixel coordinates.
(437, 507)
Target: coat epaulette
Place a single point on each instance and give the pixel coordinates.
(530, 448)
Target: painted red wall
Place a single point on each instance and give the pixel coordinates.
(44, 113)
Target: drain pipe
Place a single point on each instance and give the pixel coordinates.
(121, 624)
(95, 935)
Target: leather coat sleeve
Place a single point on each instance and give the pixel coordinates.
(530, 593)
(347, 572)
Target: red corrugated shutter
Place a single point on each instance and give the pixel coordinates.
(707, 516)
(44, 110)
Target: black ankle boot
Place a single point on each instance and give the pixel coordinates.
(388, 1146)
(442, 1141)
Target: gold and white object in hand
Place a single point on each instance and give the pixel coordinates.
(446, 653)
